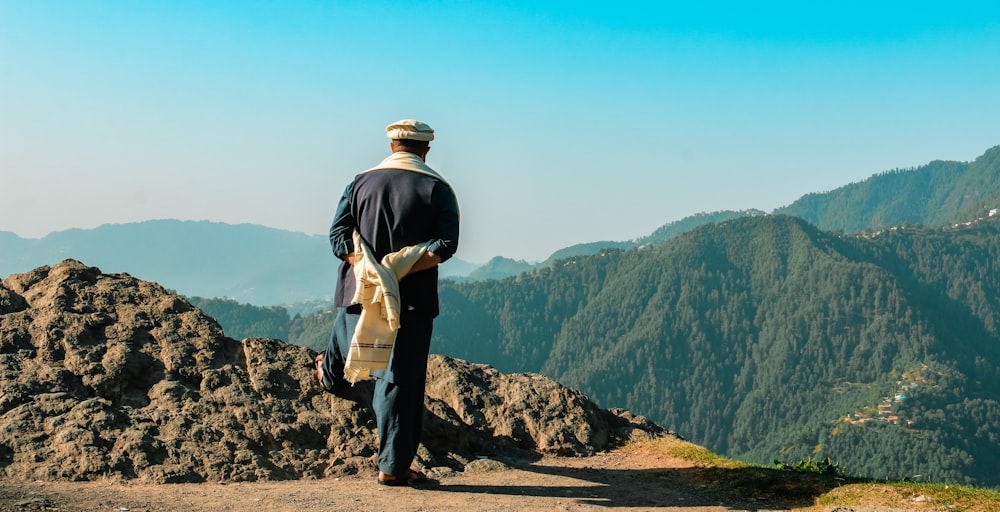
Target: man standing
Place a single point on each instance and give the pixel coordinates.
(391, 208)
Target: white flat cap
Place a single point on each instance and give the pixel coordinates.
(410, 129)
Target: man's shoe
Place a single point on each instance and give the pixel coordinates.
(413, 478)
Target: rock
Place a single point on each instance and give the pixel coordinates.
(484, 465)
(108, 376)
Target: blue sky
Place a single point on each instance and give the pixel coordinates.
(557, 122)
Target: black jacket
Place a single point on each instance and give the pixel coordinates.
(393, 209)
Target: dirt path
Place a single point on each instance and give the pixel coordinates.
(627, 480)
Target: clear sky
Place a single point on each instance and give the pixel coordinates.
(557, 122)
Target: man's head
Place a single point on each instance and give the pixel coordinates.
(411, 136)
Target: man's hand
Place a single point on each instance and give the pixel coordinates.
(427, 260)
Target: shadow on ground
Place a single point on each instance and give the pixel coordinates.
(741, 488)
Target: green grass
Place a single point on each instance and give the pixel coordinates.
(827, 489)
(914, 496)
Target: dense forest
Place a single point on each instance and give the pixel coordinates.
(246, 320)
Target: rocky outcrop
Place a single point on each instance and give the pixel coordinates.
(108, 376)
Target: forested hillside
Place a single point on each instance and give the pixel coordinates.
(934, 194)
(669, 231)
(767, 338)
(246, 320)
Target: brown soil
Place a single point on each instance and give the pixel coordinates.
(638, 477)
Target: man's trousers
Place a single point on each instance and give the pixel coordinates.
(398, 398)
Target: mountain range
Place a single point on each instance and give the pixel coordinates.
(936, 193)
(265, 266)
(246, 262)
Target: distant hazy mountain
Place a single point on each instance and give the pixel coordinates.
(497, 268)
(249, 263)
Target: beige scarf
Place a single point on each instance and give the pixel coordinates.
(377, 290)
(407, 162)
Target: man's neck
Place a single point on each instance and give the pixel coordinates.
(418, 155)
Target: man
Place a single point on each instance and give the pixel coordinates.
(397, 205)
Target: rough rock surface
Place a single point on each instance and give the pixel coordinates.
(111, 377)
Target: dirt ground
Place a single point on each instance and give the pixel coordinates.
(629, 479)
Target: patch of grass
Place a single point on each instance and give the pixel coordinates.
(696, 454)
(824, 466)
(816, 483)
(914, 496)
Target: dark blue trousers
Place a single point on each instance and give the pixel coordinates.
(398, 398)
